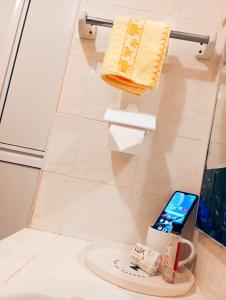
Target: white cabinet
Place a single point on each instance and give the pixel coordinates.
(35, 36)
(10, 13)
(31, 93)
(17, 191)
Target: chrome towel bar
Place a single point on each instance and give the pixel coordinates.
(206, 43)
(202, 39)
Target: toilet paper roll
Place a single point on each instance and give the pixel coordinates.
(126, 139)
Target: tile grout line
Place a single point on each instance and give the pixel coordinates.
(104, 122)
(138, 158)
(84, 179)
(32, 258)
(157, 12)
(99, 182)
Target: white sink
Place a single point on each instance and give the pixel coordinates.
(28, 296)
(58, 290)
(27, 292)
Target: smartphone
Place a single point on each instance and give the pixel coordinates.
(176, 212)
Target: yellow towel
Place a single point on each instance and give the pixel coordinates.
(135, 54)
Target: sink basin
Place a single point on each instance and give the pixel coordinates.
(29, 296)
(55, 292)
(58, 290)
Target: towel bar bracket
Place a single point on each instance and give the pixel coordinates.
(88, 29)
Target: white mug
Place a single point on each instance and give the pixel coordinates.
(160, 241)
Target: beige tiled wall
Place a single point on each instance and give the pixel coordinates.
(89, 192)
(211, 268)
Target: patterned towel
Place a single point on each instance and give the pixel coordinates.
(135, 54)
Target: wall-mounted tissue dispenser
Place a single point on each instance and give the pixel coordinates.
(127, 129)
(128, 118)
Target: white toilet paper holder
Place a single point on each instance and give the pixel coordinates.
(131, 119)
(127, 129)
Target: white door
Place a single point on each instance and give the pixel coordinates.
(33, 89)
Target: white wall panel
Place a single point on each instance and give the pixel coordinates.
(17, 185)
(38, 73)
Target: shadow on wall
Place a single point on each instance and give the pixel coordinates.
(156, 149)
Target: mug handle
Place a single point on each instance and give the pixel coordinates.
(192, 254)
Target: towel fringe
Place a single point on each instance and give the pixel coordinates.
(159, 57)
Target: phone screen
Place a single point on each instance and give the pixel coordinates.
(176, 211)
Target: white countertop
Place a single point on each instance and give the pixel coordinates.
(37, 260)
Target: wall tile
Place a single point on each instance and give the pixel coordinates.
(176, 103)
(90, 96)
(200, 10)
(51, 202)
(211, 268)
(77, 86)
(103, 212)
(202, 264)
(63, 144)
(216, 156)
(208, 10)
(197, 27)
(82, 148)
(94, 211)
(95, 160)
(169, 163)
(146, 207)
(106, 96)
(161, 6)
(185, 81)
(98, 211)
(216, 274)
